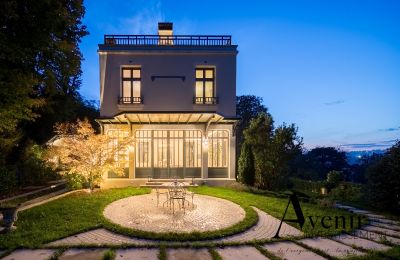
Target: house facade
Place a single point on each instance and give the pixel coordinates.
(176, 96)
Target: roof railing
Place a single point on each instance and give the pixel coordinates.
(177, 40)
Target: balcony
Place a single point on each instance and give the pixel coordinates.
(130, 100)
(205, 100)
(176, 40)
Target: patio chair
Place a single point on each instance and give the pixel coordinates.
(158, 193)
(176, 191)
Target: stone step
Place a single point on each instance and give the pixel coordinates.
(291, 251)
(242, 252)
(136, 253)
(331, 247)
(360, 242)
(186, 253)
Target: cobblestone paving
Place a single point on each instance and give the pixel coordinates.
(99, 237)
(205, 214)
(264, 229)
(369, 238)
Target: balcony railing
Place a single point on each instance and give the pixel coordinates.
(178, 40)
(130, 100)
(205, 100)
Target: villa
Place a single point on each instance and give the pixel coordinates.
(176, 96)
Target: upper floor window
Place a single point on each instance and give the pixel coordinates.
(205, 86)
(131, 84)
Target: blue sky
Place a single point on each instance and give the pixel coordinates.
(330, 67)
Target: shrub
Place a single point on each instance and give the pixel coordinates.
(32, 169)
(246, 165)
(75, 181)
(347, 192)
(8, 181)
(333, 179)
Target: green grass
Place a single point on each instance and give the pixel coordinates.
(63, 217)
(80, 212)
(393, 253)
(276, 207)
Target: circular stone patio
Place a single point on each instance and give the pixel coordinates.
(206, 214)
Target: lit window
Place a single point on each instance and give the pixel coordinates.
(218, 148)
(205, 86)
(131, 84)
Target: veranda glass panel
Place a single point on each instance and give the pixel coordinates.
(168, 153)
(218, 156)
(120, 154)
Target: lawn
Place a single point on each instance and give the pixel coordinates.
(63, 217)
(82, 211)
(276, 207)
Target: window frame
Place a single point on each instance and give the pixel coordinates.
(131, 99)
(205, 99)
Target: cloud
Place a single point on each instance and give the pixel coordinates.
(390, 129)
(369, 146)
(335, 102)
(142, 22)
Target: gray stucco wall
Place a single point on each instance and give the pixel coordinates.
(168, 94)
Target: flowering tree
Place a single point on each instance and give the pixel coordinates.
(81, 151)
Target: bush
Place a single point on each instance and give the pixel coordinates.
(311, 188)
(32, 169)
(246, 165)
(347, 192)
(333, 179)
(75, 181)
(8, 181)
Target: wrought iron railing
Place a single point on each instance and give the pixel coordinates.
(205, 100)
(178, 40)
(130, 100)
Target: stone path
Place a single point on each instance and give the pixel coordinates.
(185, 254)
(291, 251)
(369, 237)
(136, 253)
(264, 229)
(242, 252)
(37, 254)
(82, 254)
(331, 247)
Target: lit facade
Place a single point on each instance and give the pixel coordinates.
(176, 96)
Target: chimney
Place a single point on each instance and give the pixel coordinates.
(165, 34)
(165, 29)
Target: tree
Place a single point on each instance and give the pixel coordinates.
(247, 108)
(39, 62)
(273, 149)
(334, 178)
(82, 152)
(383, 181)
(246, 165)
(315, 164)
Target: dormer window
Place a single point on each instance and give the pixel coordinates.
(131, 86)
(205, 86)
